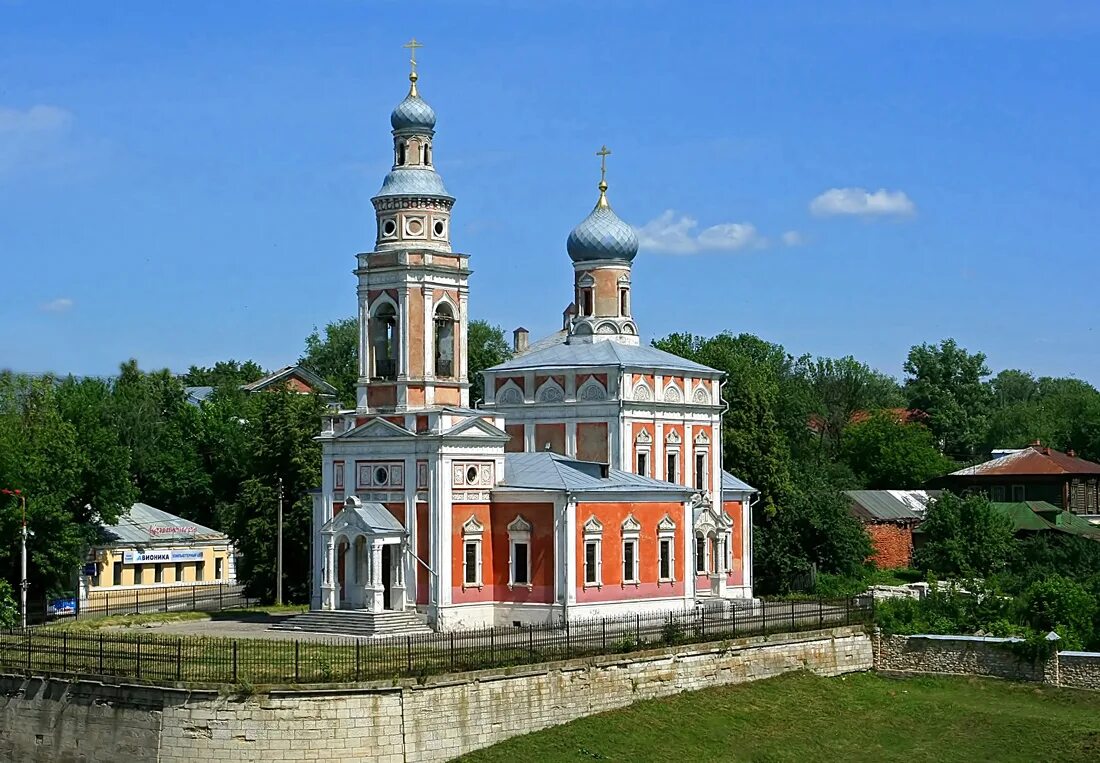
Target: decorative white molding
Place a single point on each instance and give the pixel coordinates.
(472, 527)
(631, 526)
(700, 396)
(592, 390)
(642, 393)
(673, 437)
(593, 527)
(550, 392)
(701, 438)
(510, 394)
(519, 526)
(643, 438)
(673, 394)
(666, 526)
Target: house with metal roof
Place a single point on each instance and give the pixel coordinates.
(889, 517)
(296, 378)
(150, 556)
(1034, 473)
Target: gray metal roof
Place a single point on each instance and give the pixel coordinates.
(197, 395)
(369, 518)
(889, 505)
(606, 353)
(733, 484)
(144, 525)
(413, 181)
(549, 471)
(319, 385)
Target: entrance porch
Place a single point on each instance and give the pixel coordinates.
(365, 550)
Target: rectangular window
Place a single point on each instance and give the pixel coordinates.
(218, 571)
(700, 471)
(643, 463)
(158, 573)
(592, 562)
(672, 463)
(116, 571)
(630, 561)
(520, 563)
(200, 571)
(137, 574)
(470, 561)
(665, 561)
(179, 572)
(700, 555)
(997, 493)
(1018, 493)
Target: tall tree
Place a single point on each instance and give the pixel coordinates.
(964, 536)
(840, 388)
(946, 382)
(335, 356)
(886, 453)
(223, 373)
(486, 348)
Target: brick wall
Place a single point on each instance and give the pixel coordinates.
(893, 545)
(46, 720)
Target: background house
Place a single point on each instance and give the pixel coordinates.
(1035, 473)
(889, 516)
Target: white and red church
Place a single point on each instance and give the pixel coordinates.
(588, 481)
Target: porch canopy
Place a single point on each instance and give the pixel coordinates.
(371, 519)
(364, 552)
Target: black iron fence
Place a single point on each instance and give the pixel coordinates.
(208, 597)
(43, 651)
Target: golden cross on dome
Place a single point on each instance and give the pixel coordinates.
(603, 153)
(412, 45)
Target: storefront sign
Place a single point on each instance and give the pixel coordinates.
(155, 557)
(172, 530)
(59, 607)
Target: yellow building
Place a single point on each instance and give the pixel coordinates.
(151, 557)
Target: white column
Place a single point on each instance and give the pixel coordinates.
(397, 585)
(570, 552)
(429, 343)
(375, 588)
(571, 439)
(329, 588)
(688, 554)
(746, 542)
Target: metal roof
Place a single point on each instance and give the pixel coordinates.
(144, 525)
(315, 382)
(197, 395)
(733, 484)
(549, 471)
(1036, 460)
(368, 518)
(889, 505)
(605, 353)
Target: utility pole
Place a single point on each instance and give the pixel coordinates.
(23, 566)
(278, 551)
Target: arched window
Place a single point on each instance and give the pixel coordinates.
(624, 302)
(587, 307)
(428, 154)
(444, 341)
(384, 341)
(400, 152)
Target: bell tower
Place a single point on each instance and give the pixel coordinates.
(602, 248)
(413, 289)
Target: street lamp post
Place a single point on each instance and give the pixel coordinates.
(23, 565)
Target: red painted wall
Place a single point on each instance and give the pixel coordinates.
(495, 550)
(611, 516)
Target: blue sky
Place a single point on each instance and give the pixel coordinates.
(183, 183)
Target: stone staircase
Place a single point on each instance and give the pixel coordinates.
(346, 622)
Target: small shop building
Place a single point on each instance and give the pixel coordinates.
(150, 555)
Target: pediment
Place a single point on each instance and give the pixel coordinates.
(593, 526)
(477, 427)
(631, 525)
(666, 524)
(379, 428)
(472, 527)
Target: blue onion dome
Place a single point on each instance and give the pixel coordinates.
(413, 181)
(413, 113)
(602, 235)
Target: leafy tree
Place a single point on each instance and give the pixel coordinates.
(812, 530)
(886, 453)
(336, 356)
(487, 347)
(9, 610)
(964, 536)
(223, 373)
(946, 382)
(1042, 555)
(280, 430)
(840, 388)
(1061, 605)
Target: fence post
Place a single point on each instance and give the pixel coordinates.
(531, 641)
(492, 630)
(847, 611)
(298, 654)
(101, 654)
(820, 614)
(792, 616)
(137, 600)
(64, 652)
(452, 650)
(603, 633)
(357, 670)
(27, 649)
(234, 660)
(179, 658)
(165, 599)
(703, 623)
(192, 598)
(221, 596)
(107, 602)
(409, 654)
(139, 656)
(637, 629)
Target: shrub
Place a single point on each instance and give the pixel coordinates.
(9, 612)
(1061, 605)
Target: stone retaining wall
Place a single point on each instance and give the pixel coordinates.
(54, 720)
(983, 656)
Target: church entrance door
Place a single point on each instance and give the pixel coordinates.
(387, 576)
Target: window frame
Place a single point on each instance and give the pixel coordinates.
(473, 534)
(519, 533)
(666, 534)
(631, 531)
(641, 461)
(592, 536)
(700, 559)
(672, 458)
(700, 475)
(1022, 491)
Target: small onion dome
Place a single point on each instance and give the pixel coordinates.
(602, 235)
(413, 113)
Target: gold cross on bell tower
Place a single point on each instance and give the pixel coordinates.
(603, 153)
(412, 45)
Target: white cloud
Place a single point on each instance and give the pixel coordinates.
(674, 233)
(792, 238)
(33, 138)
(863, 203)
(59, 305)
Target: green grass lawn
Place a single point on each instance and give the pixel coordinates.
(801, 717)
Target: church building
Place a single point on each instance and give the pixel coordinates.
(589, 480)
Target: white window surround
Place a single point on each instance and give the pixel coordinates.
(701, 558)
(593, 533)
(472, 533)
(519, 531)
(631, 532)
(666, 533)
(642, 447)
(702, 456)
